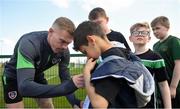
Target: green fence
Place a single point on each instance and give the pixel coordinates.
(76, 64)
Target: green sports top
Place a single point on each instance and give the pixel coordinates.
(169, 49)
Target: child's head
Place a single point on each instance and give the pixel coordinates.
(162, 20)
(160, 26)
(85, 38)
(140, 33)
(98, 15)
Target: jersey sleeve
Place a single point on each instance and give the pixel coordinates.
(29, 88)
(126, 44)
(175, 48)
(122, 39)
(160, 69)
(26, 55)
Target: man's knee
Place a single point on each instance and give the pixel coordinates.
(45, 102)
(15, 105)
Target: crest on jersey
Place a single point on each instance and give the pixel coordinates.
(12, 95)
(55, 60)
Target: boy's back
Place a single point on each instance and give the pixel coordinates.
(115, 90)
(116, 81)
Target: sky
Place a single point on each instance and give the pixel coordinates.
(18, 17)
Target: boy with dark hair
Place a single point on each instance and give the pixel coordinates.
(98, 15)
(116, 82)
(140, 36)
(168, 47)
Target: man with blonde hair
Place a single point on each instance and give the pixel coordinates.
(34, 53)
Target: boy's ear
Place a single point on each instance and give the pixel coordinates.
(107, 18)
(130, 38)
(90, 39)
(50, 30)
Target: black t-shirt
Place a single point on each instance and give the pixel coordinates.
(156, 65)
(116, 91)
(117, 36)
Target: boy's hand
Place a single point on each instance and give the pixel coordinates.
(87, 70)
(173, 92)
(90, 63)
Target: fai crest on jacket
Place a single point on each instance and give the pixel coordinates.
(12, 95)
(56, 60)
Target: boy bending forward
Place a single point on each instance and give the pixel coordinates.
(116, 82)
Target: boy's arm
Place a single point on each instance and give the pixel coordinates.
(165, 92)
(97, 101)
(175, 78)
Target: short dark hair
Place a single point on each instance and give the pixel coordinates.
(83, 30)
(96, 13)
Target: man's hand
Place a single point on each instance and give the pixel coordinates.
(78, 80)
(78, 107)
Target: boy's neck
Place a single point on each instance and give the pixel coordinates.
(105, 45)
(161, 40)
(140, 49)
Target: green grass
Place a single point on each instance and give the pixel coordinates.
(53, 78)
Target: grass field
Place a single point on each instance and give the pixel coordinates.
(53, 78)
